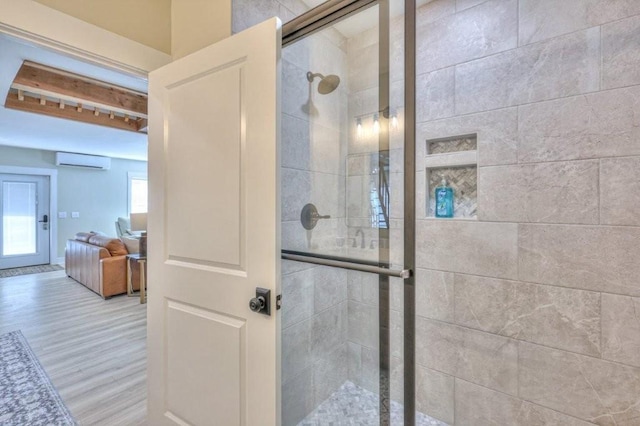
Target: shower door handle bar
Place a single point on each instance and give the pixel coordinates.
(346, 264)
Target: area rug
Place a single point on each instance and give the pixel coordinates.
(14, 272)
(27, 396)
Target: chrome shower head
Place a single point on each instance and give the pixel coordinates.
(327, 84)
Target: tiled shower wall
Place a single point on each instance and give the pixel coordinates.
(531, 314)
(314, 312)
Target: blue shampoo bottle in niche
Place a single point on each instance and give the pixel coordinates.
(444, 200)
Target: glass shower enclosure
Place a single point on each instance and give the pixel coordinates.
(343, 118)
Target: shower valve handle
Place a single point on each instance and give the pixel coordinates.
(309, 217)
(318, 216)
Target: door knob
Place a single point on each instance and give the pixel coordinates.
(261, 304)
(257, 304)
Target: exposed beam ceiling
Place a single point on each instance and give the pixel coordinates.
(45, 90)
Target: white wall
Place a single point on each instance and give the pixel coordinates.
(99, 196)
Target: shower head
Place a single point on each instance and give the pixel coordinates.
(327, 84)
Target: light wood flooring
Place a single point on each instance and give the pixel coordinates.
(93, 350)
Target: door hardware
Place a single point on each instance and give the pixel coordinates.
(45, 222)
(261, 304)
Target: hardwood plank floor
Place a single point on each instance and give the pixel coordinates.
(93, 350)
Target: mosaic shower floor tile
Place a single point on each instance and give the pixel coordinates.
(354, 406)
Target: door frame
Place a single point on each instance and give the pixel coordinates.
(64, 34)
(53, 203)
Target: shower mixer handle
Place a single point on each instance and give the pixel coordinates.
(309, 216)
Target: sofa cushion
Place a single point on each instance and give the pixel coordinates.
(132, 244)
(113, 245)
(84, 236)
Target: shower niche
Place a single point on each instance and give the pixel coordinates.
(454, 161)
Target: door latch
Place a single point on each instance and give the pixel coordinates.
(45, 222)
(261, 304)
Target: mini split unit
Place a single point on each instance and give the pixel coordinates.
(82, 160)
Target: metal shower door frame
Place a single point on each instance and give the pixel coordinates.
(304, 25)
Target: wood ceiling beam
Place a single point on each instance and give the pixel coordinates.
(32, 104)
(50, 82)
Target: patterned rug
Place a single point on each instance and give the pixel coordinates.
(14, 272)
(27, 396)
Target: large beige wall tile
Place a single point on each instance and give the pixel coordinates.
(363, 324)
(482, 358)
(479, 406)
(551, 192)
(621, 329)
(496, 131)
(297, 288)
(586, 257)
(466, 35)
(466, 4)
(552, 316)
(603, 124)
(543, 19)
(329, 330)
(563, 66)
(296, 349)
(620, 191)
(434, 394)
(434, 294)
(297, 398)
(434, 95)
(363, 68)
(433, 11)
(329, 287)
(488, 249)
(330, 373)
(621, 52)
(295, 193)
(599, 391)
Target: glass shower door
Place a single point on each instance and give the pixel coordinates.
(342, 213)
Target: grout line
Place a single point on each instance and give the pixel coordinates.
(518, 18)
(525, 282)
(508, 50)
(599, 191)
(504, 107)
(601, 51)
(523, 399)
(506, 222)
(519, 341)
(601, 331)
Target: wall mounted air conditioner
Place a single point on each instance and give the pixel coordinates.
(82, 160)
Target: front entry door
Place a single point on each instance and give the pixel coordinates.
(24, 231)
(213, 229)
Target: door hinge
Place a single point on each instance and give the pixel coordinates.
(278, 301)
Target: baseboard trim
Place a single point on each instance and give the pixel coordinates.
(58, 261)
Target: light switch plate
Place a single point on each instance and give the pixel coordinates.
(75, 215)
(62, 215)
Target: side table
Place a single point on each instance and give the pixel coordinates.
(140, 260)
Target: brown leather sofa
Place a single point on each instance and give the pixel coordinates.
(99, 263)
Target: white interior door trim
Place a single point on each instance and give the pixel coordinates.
(65, 34)
(53, 201)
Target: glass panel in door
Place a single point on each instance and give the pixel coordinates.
(342, 164)
(24, 230)
(18, 218)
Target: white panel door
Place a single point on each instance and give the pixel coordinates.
(213, 229)
(24, 230)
